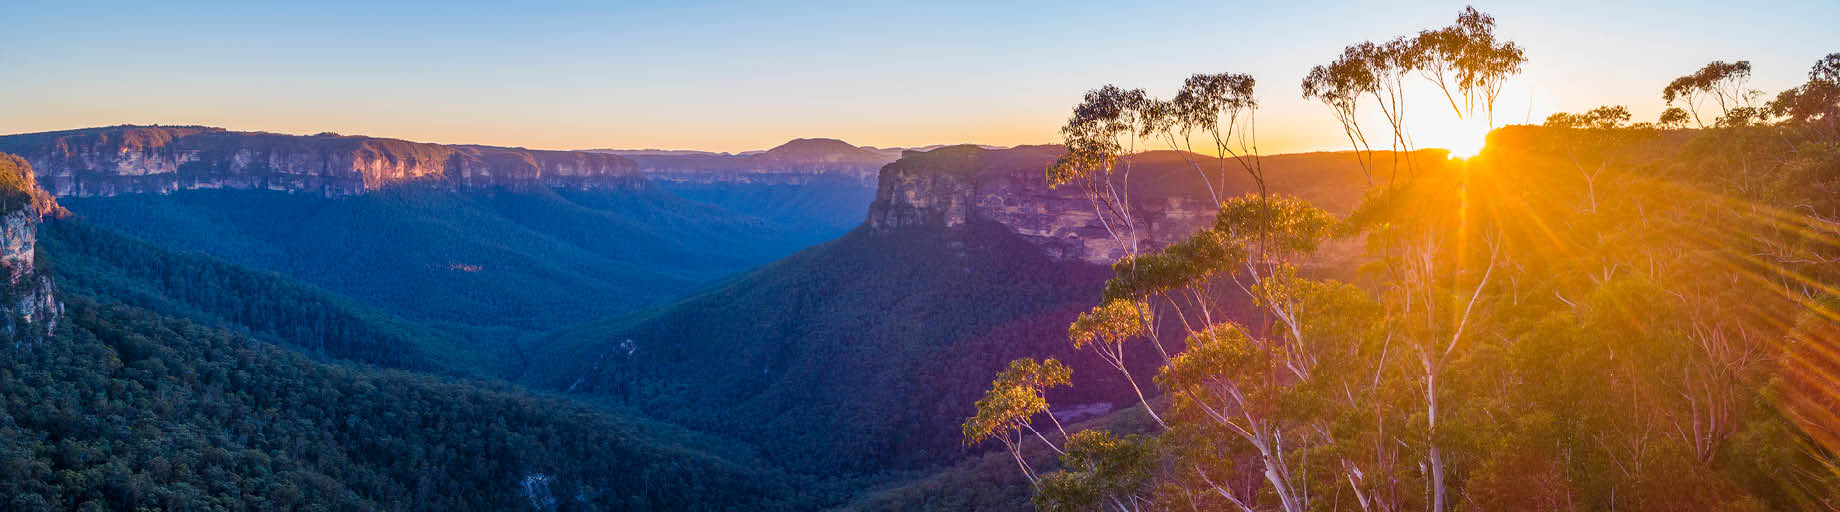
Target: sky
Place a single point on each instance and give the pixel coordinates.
(742, 76)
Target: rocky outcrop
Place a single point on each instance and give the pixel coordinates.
(159, 159)
(29, 301)
(952, 185)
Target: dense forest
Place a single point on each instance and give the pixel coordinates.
(489, 264)
(823, 208)
(97, 262)
(798, 356)
(1591, 314)
(125, 409)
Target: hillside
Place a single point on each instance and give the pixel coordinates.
(799, 356)
(115, 268)
(483, 262)
(865, 353)
(126, 409)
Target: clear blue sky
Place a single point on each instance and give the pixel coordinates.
(741, 76)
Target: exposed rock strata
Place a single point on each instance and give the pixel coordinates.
(950, 185)
(160, 159)
(29, 302)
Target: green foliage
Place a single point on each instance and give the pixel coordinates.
(1014, 398)
(1201, 255)
(1218, 354)
(1111, 323)
(799, 357)
(16, 183)
(1593, 314)
(1102, 470)
(1279, 223)
(97, 262)
(1600, 118)
(814, 211)
(131, 411)
(1722, 81)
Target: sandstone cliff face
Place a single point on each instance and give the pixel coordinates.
(951, 185)
(31, 306)
(29, 302)
(157, 159)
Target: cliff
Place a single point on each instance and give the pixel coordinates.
(948, 186)
(29, 303)
(159, 159)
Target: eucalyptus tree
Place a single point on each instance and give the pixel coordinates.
(1815, 103)
(1251, 250)
(1389, 64)
(1421, 230)
(1340, 85)
(1467, 57)
(1102, 471)
(1438, 257)
(1463, 60)
(1009, 409)
(1722, 82)
(1307, 392)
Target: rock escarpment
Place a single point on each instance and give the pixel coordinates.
(29, 302)
(100, 162)
(951, 185)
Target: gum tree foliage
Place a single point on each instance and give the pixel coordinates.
(1241, 391)
(1519, 338)
(1722, 82)
(1010, 406)
(1463, 60)
(1816, 103)
(1466, 56)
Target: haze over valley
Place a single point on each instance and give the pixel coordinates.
(1221, 257)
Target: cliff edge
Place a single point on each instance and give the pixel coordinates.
(29, 303)
(117, 160)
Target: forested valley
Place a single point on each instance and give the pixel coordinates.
(1590, 311)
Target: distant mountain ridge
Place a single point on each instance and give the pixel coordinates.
(127, 159)
(796, 162)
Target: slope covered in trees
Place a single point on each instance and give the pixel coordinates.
(493, 263)
(97, 262)
(799, 356)
(821, 208)
(126, 409)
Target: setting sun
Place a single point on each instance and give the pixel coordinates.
(1463, 137)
